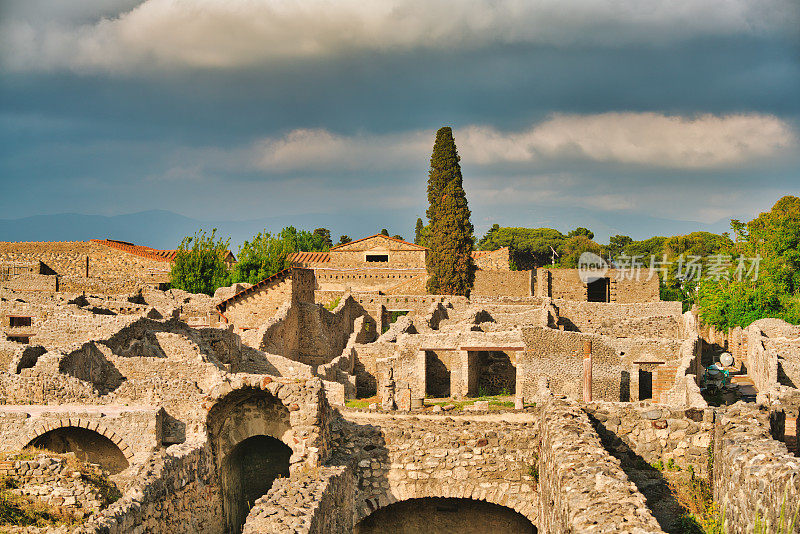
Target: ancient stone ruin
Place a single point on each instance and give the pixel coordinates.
(337, 397)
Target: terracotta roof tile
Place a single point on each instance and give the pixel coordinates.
(146, 252)
(309, 257)
(138, 250)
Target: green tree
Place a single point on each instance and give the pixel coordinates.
(199, 265)
(398, 236)
(385, 232)
(774, 237)
(418, 231)
(267, 254)
(571, 249)
(344, 239)
(530, 247)
(581, 231)
(451, 270)
(323, 237)
(616, 245)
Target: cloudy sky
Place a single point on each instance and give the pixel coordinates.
(626, 116)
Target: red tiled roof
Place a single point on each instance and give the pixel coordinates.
(147, 252)
(280, 275)
(309, 257)
(138, 250)
(385, 237)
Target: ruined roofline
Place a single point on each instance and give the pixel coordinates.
(279, 276)
(309, 257)
(418, 247)
(480, 253)
(149, 252)
(138, 250)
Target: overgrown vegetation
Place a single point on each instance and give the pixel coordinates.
(733, 280)
(199, 265)
(24, 511)
(267, 254)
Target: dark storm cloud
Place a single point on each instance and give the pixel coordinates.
(99, 130)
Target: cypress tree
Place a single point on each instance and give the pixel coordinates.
(418, 231)
(451, 270)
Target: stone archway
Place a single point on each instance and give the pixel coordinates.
(443, 515)
(87, 445)
(524, 503)
(248, 472)
(251, 439)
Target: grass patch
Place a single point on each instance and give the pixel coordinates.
(332, 304)
(17, 510)
(361, 403)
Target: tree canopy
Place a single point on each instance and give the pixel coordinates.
(266, 254)
(451, 270)
(199, 265)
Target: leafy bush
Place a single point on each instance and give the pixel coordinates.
(199, 265)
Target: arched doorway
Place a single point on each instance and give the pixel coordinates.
(248, 472)
(249, 430)
(88, 446)
(437, 515)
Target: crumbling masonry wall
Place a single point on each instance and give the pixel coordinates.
(582, 487)
(755, 476)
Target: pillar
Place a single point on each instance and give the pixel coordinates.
(587, 371)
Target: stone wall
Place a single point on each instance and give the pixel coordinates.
(369, 279)
(754, 475)
(399, 458)
(253, 307)
(317, 501)
(31, 282)
(494, 260)
(557, 357)
(109, 269)
(656, 432)
(651, 319)
(503, 283)
(567, 284)
(583, 488)
(55, 481)
(135, 430)
(176, 492)
(311, 334)
(762, 363)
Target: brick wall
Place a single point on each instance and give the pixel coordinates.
(110, 269)
(503, 283)
(567, 284)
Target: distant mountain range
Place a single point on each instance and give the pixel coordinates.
(165, 229)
